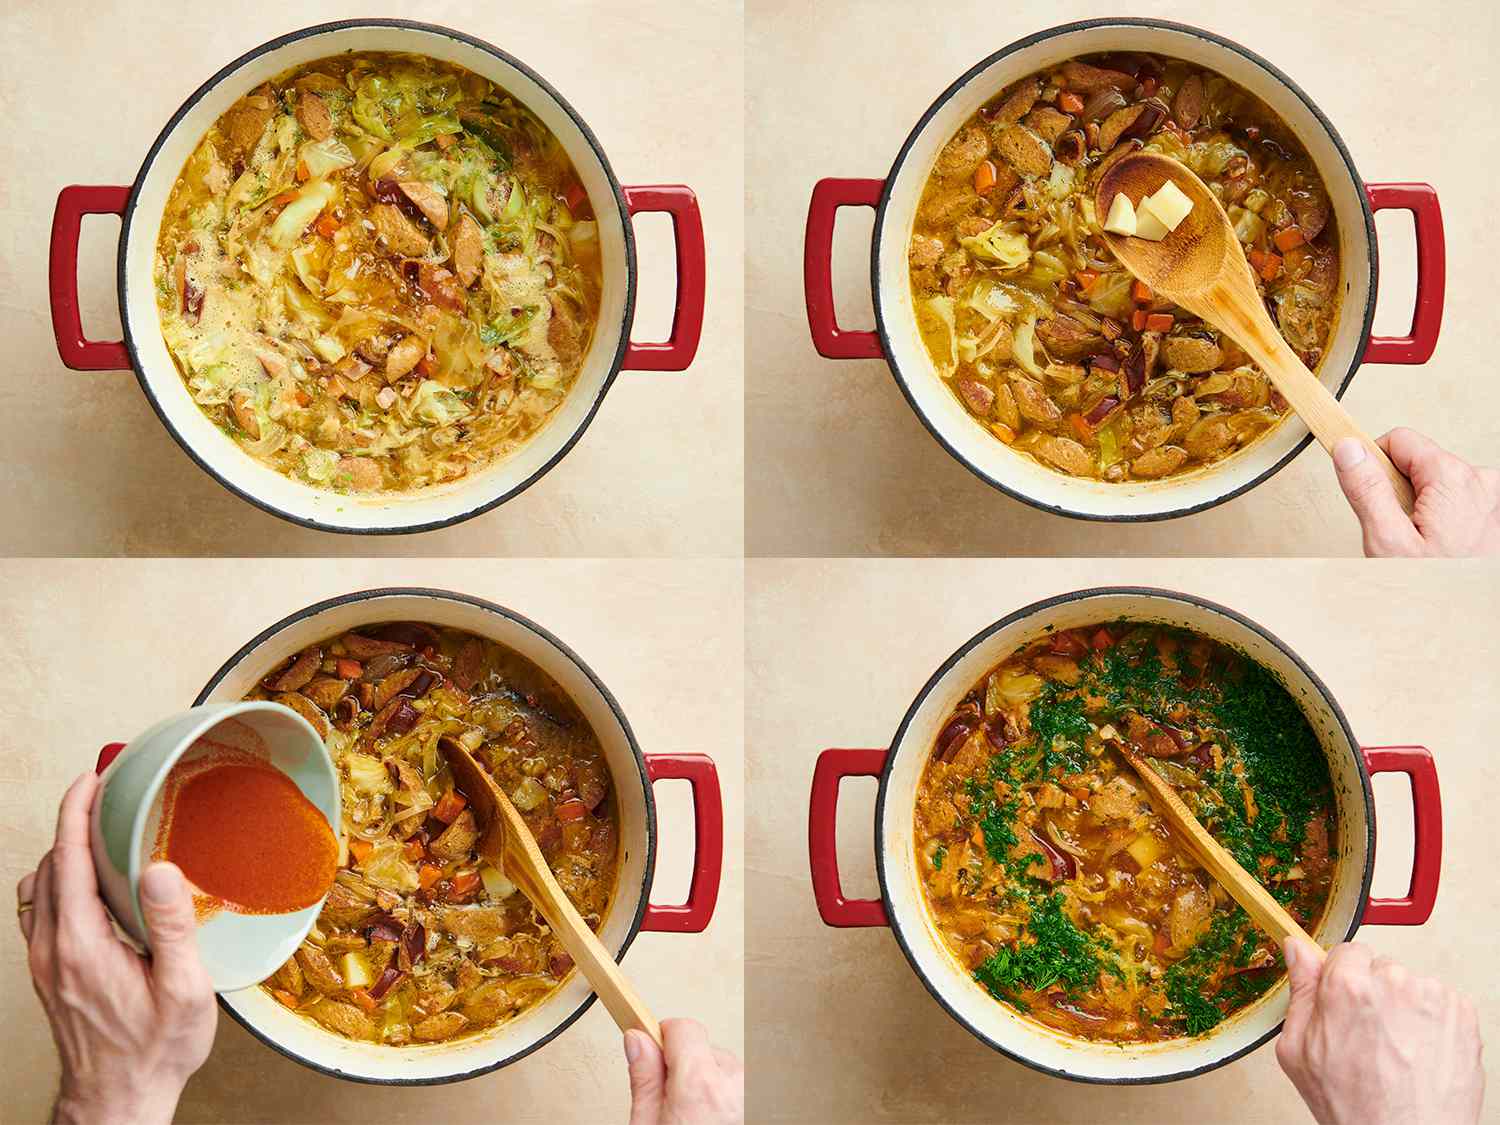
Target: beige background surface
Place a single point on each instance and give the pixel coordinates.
(841, 1029)
(103, 649)
(86, 468)
(842, 466)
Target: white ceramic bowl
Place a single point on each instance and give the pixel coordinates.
(632, 772)
(237, 949)
(902, 906)
(145, 350)
(897, 339)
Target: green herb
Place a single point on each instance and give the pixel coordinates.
(1059, 726)
(1191, 998)
(1058, 953)
(938, 857)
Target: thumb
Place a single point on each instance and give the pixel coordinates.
(1387, 529)
(648, 1077)
(1303, 968)
(171, 924)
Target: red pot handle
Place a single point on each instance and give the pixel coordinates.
(675, 354)
(822, 836)
(1427, 854)
(697, 770)
(828, 196)
(108, 755)
(1422, 201)
(73, 203)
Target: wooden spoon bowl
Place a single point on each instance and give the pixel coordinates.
(1202, 268)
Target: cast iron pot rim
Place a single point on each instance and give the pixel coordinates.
(127, 217)
(1044, 604)
(614, 706)
(974, 71)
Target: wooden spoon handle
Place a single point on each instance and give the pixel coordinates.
(1267, 913)
(588, 952)
(1314, 403)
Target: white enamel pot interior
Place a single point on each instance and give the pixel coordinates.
(940, 410)
(950, 983)
(298, 1037)
(215, 451)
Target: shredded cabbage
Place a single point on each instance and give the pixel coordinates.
(298, 215)
(324, 157)
(1003, 245)
(1023, 345)
(936, 321)
(437, 405)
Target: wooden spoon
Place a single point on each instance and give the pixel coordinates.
(508, 844)
(1202, 268)
(1267, 913)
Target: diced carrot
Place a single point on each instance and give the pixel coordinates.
(428, 875)
(302, 172)
(985, 176)
(1086, 279)
(449, 806)
(1257, 259)
(414, 849)
(1271, 267)
(1003, 432)
(347, 669)
(426, 366)
(1080, 793)
(284, 198)
(285, 997)
(1158, 322)
(326, 225)
(444, 141)
(1069, 102)
(571, 809)
(359, 850)
(302, 397)
(577, 200)
(1101, 640)
(463, 886)
(1081, 428)
(1138, 320)
(1287, 238)
(363, 999)
(1140, 293)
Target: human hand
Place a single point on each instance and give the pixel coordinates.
(694, 1083)
(1457, 509)
(129, 1030)
(1368, 1041)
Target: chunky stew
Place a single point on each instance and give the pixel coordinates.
(1045, 339)
(419, 941)
(1050, 877)
(378, 272)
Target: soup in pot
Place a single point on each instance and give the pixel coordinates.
(1045, 869)
(1045, 339)
(420, 941)
(378, 272)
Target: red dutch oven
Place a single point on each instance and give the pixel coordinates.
(140, 208)
(897, 341)
(902, 907)
(633, 773)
